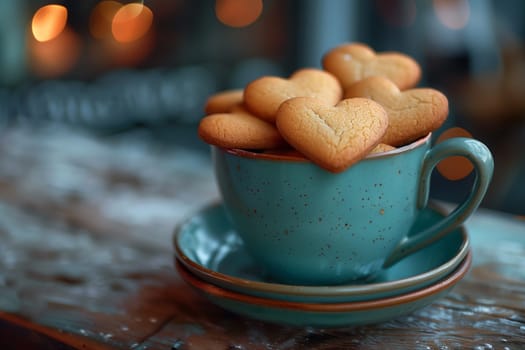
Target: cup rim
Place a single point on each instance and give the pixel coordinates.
(244, 153)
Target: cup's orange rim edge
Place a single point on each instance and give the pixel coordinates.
(244, 153)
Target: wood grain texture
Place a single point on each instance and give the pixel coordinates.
(86, 259)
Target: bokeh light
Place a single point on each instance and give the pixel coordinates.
(238, 13)
(129, 54)
(453, 14)
(101, 18)
(48, 22)
(55, 57)
(457, 167)
(125, 33)
(131, 22)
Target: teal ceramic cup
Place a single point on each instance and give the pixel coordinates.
(305, 225)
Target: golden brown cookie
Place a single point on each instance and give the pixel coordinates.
(382, 147)
(412, 113)
(353, 62)
(223, 102)
(239, 129)
(263, 96)
(334, 137)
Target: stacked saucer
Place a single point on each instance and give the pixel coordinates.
(211, 258)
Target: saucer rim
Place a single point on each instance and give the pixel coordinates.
(343, 290)
(339, 307)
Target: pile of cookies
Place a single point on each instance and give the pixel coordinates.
(361, 101)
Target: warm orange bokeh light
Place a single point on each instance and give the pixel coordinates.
(129, 54)
(54, 57)
(453, 14)
(48, 22)
(101, 18)
(454, 168)
(238, 13)
(126, 32)
(131, 22)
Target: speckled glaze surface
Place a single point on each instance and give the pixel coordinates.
(207, 245)
(305, 225)
(326, 314)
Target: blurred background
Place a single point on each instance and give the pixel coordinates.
(111, 68)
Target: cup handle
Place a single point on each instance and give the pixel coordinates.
(483, 163)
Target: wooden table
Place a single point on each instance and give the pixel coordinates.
(86, 259)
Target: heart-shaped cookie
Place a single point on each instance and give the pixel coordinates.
(263, 96)
(239, 129)
(412, 113)
(334, 137)
(382, 148)
(353, 62)
(223, 101)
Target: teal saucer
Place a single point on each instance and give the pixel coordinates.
(343, 314)
(209, 248)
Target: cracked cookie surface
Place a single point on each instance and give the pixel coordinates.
(334, 137)
(412, 113)
(263, 96)
(355, 61)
